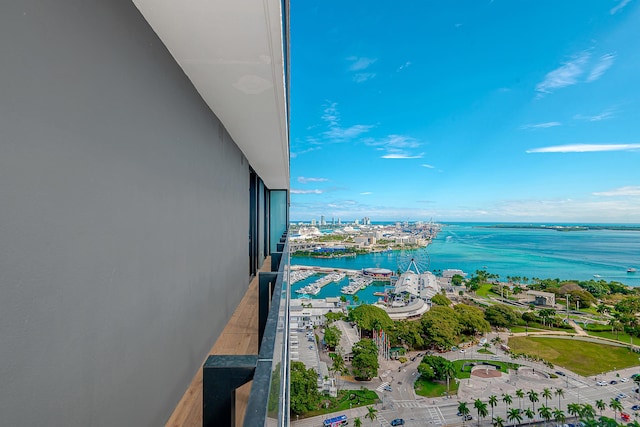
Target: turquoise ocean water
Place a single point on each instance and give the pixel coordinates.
(524, 252)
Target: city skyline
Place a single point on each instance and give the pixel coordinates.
(465, 111)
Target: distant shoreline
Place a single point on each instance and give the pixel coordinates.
(564, 227)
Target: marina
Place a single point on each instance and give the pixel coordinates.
(315, 287)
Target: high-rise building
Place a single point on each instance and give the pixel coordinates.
(313, 222)
(144, 177)
(322, 222)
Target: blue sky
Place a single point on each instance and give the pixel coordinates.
(474, 110)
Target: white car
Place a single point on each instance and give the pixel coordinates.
(624, 380)
(602, 383)
(462, 350)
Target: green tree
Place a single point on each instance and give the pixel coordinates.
(481, 409)
(372, 413)
(303, 388)
(547, 394)
(573, 409)
(587, 411)
(369, 317)
(501, 315)
(520, 395)
(441, 327)
(333, 316)
(513, 414)
(365, 359)
(457, 280)
(332, 336)
(493, 401)
(545, 413)
(601, 405)
(533, 397)
(471, 319)
(558, 416)
(507, 399)
(426, 371)
(616, 406)
(560, 393)
(440, 299)
(409, 333)
(463, 410)
(529, 413)
(357, 422)
(498, 422)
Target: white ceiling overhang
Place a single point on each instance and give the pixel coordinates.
(233, 53)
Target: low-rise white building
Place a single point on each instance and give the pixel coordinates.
(307, 313)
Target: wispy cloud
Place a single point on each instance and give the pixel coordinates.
(405, 65)
(604, 63)
(607, 114)
(565, 75)
(363, 77)
(428, 166)
(619, 6)
(358, 63)
(304, 180)
(622, 191)
(336, 132)
(316, 191)
(540, 125)
(400, 155)
(396, 146)
(366, 193)
(572, 71)
(584, 148)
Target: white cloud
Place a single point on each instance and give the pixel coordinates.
(541, 125)
(394, 141)
(316, 191)
(619, 6)
(602, 116)
(584, 148)
(341, 134)
(360, 63)
(428, 166)
(303, 180)
(622, 191)
(330, 114)
(400, 155)
(405, 65)
(604, 63)
(363, 77)
(565, 75)
(366, 193)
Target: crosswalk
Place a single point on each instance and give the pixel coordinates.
(381, 387)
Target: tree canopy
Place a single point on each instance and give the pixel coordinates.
(369, 317)
(501, 315)
(441, 326)
(365, 359)
(440, 299)
(304, 388)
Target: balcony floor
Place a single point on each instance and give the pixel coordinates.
(240, 336)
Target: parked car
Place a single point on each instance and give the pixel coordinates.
(397, 422)
(601, 383)
(621, 396)
(635, 408)
(613, 382)
(624, 380)
(468, 417)
(625, 416)
(562, 374)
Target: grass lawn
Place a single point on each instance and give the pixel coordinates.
(484, 290)
(435, 389)
(613, 336)
(346, 399)
(582, 357)
(485, 351)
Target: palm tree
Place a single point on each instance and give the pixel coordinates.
(498, 422)
(449, 371)
(545, 413)
(560, 393)
(481, 408)
(616, 406)
(520, 395)
(463, 410)
(529, 413)
(546, 393)
(514, 415)
(372, 413)
(357, 422)
(506, 398)
(533, 397)
(574, 409)
(590, 423)
(587, 412)
(493, 401)
(600, 405)
(558, 415)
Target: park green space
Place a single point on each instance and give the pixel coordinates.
(582, 357)
(346, 399)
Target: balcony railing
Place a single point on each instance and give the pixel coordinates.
(268, 403)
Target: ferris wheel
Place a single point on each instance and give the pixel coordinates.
(416, 261)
